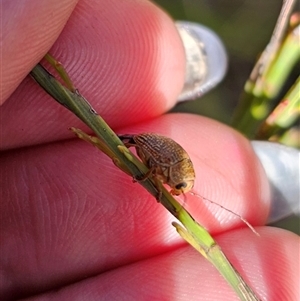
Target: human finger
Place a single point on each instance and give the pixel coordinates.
(267, 264)
(75, 209)
(28, 31)
(128, 62)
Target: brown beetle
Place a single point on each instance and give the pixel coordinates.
(167, 160)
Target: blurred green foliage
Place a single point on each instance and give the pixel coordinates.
(245, 28)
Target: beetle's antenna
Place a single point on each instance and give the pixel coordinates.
(239, 216)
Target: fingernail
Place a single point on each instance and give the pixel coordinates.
(206, 59)
(281, 164)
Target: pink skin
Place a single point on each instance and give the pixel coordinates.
(70, 219)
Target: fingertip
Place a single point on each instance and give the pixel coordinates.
(29, 30)
(132, 58)
(129, 63)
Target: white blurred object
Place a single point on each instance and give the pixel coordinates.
(282, 166)
(206, 59)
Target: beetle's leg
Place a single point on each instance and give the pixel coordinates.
(127, 140)
(158, 187)
(145, 176)
(157, 182)
(151, 173)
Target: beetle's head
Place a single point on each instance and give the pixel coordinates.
(182, 177)
(182, 187)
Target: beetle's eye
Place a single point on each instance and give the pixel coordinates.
(181, 185)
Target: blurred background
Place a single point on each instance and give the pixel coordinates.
(245, 27)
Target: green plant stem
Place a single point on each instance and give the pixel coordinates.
(284, 116)
(268, 76)
(127, 162)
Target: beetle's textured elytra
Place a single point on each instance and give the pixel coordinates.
(166, 159)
